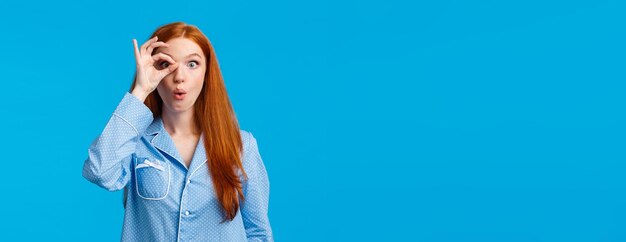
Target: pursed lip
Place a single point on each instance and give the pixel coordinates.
(180, 91)
(179, 94)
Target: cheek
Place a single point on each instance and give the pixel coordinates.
(198, 81)
(162, 89)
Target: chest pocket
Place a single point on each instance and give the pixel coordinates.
(152, 178)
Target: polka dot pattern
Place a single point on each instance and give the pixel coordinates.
(167, 201)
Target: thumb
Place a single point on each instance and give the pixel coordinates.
(172, 67)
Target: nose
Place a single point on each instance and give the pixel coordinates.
(179, 75)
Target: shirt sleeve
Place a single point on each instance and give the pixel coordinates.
(256, 192)
(110, 154)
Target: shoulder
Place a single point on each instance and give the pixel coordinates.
(248, 140)
(251, 159)
(245, 134)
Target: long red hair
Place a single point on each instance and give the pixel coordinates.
(214, 116)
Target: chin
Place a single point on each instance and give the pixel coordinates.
(179, 107)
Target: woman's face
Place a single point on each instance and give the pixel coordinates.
(180, 89)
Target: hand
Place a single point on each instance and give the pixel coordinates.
(151, 68)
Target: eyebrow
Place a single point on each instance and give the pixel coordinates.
(192, 54)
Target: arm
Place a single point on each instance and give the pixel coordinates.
(256, 191)
(110, 154)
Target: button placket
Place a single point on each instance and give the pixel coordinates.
(184, 207)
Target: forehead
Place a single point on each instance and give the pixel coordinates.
(180, 48)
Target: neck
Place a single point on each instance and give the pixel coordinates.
(179, 123)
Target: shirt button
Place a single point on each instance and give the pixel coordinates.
(187, 212)
(188, 181)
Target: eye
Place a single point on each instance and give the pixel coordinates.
(192, 64)
(164, 64)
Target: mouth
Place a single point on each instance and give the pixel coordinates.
(179, 94)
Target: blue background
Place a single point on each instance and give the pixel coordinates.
(377, 120)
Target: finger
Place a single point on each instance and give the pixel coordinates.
(167, 71)
(137, 56)
(156, 45)
(171, 68)
(148, 43)
(160, 56)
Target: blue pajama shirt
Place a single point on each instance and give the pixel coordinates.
(166, 200)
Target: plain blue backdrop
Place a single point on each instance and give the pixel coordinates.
(377, 120)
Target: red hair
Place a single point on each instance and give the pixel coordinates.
(214, 116)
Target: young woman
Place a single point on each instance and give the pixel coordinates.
(174, 144)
